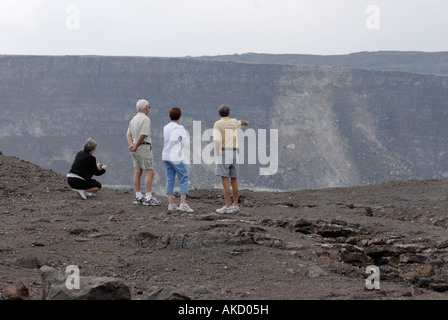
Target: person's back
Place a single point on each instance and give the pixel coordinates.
(226, 127)
(175, 138)
(226, 149)
(84, 165)
(140, 124)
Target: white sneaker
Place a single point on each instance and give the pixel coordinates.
(172, 207)
(81, 194)
(223, 210)
(151, 202)
(185, 207)
(89, 194)
(138, 201)
(230, 209)
(233, 208)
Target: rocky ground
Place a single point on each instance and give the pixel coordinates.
(308, 244)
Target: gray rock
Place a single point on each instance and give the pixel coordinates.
(315, 271)
(16, 291)
(442, 244)
(90, 288)
(355, 258)
(327, 230)
(167, 294)
(28, 262)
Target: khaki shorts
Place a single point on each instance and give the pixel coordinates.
(142, 157)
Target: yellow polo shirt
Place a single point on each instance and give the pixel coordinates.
(225, 131)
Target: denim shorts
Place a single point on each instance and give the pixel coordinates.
(171, 170)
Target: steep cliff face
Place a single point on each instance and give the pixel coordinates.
(336, 126)
(361, 127)
(406, 61)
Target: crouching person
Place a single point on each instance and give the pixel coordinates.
(84, 167)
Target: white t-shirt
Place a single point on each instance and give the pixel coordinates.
(175, 138)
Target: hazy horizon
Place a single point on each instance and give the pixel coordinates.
(179, 28)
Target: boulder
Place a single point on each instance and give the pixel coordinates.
(425, 270)
(16, 291)
(54, 287)
(167, 294)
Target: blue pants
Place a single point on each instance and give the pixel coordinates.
(171, 170)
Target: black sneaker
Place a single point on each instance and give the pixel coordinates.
(138, 201)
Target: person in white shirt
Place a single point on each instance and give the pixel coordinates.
(139, 140)
(175, 138)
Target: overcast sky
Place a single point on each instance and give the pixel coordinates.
(175, 28)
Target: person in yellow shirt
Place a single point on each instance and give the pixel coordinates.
(226, 149)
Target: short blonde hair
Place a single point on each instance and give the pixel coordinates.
(90, 145)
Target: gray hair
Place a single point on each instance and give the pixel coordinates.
(141, 104)
(224, 111)
(90, 145)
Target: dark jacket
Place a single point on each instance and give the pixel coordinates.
(85, 166)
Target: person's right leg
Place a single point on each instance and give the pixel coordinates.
(150, 199)
(149, 175)
(138, 171)
(182, 176)
(145, 153)
(137, 176)
(226, 188)
(180, 170)
(235, 191)
(170, 176)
